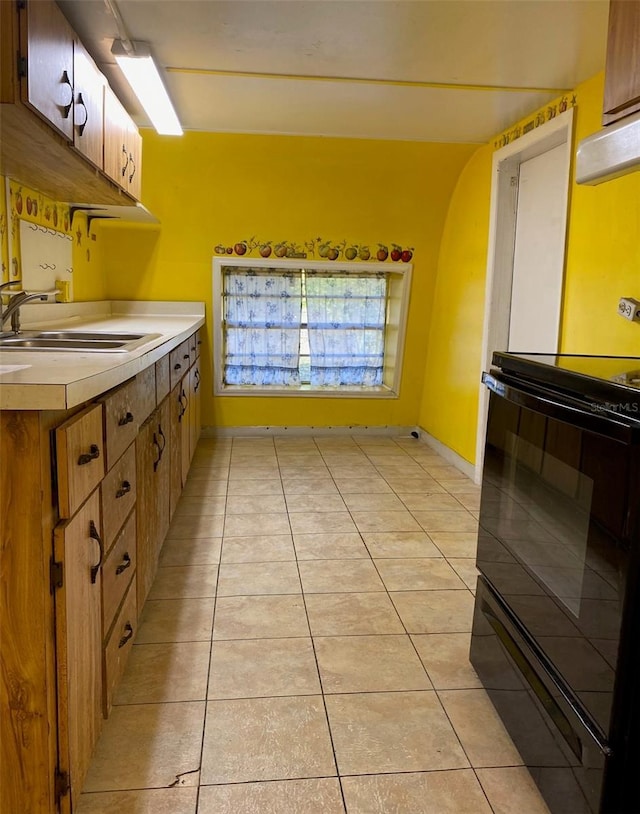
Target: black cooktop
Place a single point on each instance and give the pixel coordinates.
(610, 381)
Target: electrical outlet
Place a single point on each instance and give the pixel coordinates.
(629, 309)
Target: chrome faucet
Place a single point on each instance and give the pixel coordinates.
(13, 308)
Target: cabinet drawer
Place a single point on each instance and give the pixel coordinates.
(118, 493)
(146, 385)
(118, 646)
(117, 571)
(179, 360)
(121, 419)
(163, 379)
(80, 458)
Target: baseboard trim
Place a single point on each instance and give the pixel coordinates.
(227, 432)
(448, 454)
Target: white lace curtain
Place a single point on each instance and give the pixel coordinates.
(346, 320)
(262, 312)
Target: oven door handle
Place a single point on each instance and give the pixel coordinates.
(590, 416)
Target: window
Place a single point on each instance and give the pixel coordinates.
(284, 327)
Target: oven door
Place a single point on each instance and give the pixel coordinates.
(555, 532)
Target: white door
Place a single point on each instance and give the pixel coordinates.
(525, 263)
(538, 259)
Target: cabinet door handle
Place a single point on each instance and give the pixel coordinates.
(126, 161)
(157, 446)
(128, 633)
(80, 103)
(196, 376)
(126, 563)
(93, 534)
(66, 106)
(87, 457)
(163, 438)
(124, 489)
(126, 419)
(133, 171)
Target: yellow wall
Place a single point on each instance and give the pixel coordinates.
(209, 189)
(603, 257)
(603, 264)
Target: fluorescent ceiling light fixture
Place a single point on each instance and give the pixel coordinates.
(141, 73)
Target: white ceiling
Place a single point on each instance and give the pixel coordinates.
(425, 70)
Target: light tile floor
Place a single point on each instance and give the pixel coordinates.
(304, 648)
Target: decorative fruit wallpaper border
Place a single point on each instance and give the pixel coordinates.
(317, 247)
(30, 205)
(545, 114)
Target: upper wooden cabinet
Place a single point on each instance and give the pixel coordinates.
(46, 64)
(55, 130)
(622, 75)
(88, 106)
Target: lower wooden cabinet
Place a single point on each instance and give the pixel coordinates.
(81, 536)
(77, 576)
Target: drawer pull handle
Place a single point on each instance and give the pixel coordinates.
(87, 457)
(128, 633)
(199, 341)
(93, 533)
(186, 356)
(126, 419)
(122, 491)
(126, 563)
(177, 366)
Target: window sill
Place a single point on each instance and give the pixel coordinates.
(306, 390)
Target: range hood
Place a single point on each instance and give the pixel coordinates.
(609, 153)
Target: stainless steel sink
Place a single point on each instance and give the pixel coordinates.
(85, 341)
(79, 335)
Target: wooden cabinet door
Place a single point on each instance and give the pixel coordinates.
(78, 605)
(622, 73)
(47, 43)
(185, 429)
(164, 473)
(116, 157)
(194, 416)
(153, 476)
(88, 106)
(122, 146)
(175, 475)
(148, 454)
(133, 143)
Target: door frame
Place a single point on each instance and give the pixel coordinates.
(502, 230)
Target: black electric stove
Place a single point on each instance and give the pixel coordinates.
(557, 612)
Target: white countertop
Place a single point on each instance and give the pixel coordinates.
(55, 379)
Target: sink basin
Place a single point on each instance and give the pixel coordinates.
(92, 341)
(88, 335)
